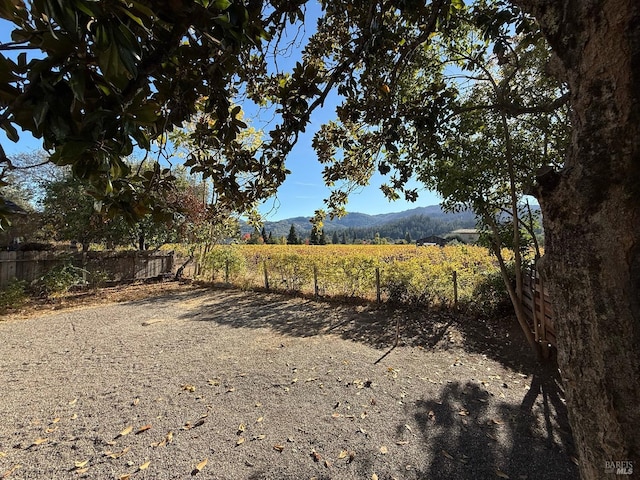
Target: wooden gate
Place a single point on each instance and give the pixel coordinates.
(538, 309)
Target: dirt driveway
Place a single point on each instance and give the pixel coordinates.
(223, 384)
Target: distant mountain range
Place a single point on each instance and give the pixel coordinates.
(417, 222)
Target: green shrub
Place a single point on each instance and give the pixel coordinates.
(490, 294)
(216, 261)
(59, 280)
(97, 279)
(14, 295)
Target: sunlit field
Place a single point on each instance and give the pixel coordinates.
(429, 275)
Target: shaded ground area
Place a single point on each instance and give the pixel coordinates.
(263, 386)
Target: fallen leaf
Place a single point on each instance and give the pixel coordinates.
(447, 454)
(50, 429)
(279, 448)
(215, 382)
(374, 477)
(259, 419)
(327, 464)
(336, 415)
(497, 422)
(39, 441)
(74, 416)
(199, 467)
(259, 437)
(126, 431)
(80, 464)
(316, 456)
(501, 474)
(144, 466)
(126, 476)
(241, 428)
(402, 442)
(117, 454)
(144, 428)
(80, 471)
(384, 450)
(136, 401)
(574, 460)
(11, 471)
(240, 441)
(55, 420)
(343, 454)
(199, 423)
(463, 412)
(73, 402)
(188, 388)
(3, 454)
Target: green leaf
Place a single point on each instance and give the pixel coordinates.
(221, 4)
(78, 85)
(12, 133)
(133, 17)
(72, 150)
(146, 114)
(40, 113)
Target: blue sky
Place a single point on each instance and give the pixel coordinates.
(303, 191)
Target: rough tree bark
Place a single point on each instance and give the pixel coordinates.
(592, 224)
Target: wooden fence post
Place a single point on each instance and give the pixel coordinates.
(543, 320)
(226, 271)
(266, 275)
(378, 292)
(315, 281)
(455, 289)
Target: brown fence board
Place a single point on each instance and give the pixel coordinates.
(538, 308)
(115, 266)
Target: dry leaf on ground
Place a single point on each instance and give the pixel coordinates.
(126, 431)
(199, 467)
(144, 428)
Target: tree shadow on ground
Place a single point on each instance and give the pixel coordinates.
(465, 436)
(468, 437)
(371, 324)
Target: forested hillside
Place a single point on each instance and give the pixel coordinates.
(418, 222)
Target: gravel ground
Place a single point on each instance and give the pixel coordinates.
(224, 384)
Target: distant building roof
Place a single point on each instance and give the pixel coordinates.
(432, 240)
(467, 231)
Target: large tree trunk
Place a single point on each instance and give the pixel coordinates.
(592, 224)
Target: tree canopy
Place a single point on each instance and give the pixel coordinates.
(96, 79)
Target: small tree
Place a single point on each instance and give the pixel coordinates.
(313, 238)
(292, 238)
(334, 238)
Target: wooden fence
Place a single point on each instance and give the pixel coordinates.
(111, 266)
(538, 309)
